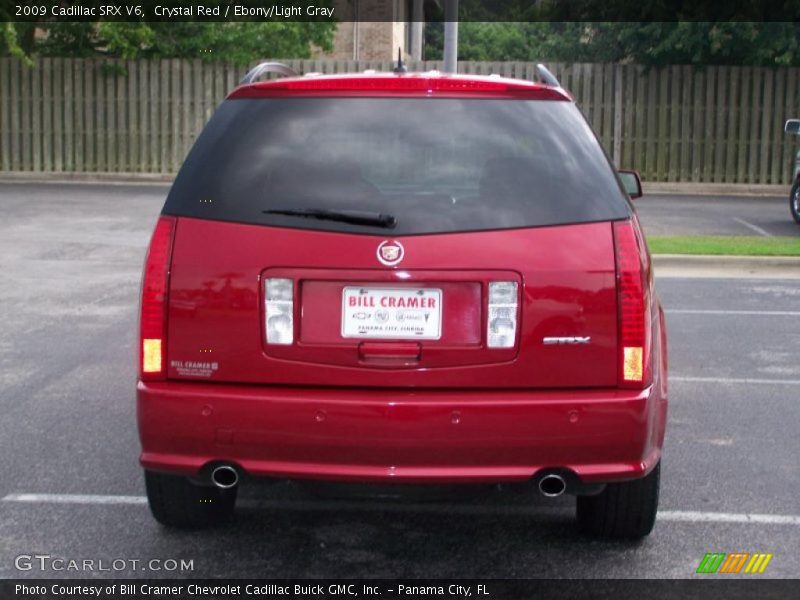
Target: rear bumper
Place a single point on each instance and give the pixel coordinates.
(420, 436)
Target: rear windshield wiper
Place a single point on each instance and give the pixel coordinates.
(353, 217)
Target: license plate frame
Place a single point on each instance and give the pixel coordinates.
(375, 319)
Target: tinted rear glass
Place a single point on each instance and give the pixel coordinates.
(436, 165)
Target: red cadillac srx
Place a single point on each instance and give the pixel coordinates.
(401, 278)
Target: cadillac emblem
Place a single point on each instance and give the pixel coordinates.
(390, 252)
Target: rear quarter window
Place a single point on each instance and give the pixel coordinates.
(436, 164)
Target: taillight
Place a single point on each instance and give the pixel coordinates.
(279, 308)
(633, 301)
(501, 320)
(153, 317)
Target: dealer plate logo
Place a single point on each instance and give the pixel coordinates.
(390, 252)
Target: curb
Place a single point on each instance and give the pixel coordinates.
(749, 267)
(88, 178)
(716, 260)
(716, 189)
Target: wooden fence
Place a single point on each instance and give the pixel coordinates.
(718, 124)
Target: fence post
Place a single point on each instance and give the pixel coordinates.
(685, 167)
(617, 130)
(5, 115)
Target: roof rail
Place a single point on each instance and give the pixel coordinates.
(545, 76)
(268, 67)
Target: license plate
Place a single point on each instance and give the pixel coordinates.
(402, 314)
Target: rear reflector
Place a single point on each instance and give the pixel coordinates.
(633, 300)
(632, 363)
(501, 325)
(279, 307)
(153, 316)
(151, 356)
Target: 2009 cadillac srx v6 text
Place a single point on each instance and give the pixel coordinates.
(402, 278)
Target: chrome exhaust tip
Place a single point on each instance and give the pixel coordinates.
(552, 485)
(224, 477)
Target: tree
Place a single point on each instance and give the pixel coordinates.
(11, 33)
(240, 43)
(651, 44)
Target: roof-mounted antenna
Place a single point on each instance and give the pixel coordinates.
(400, 68)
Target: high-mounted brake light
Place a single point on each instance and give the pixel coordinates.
(279, 306)
(501, 320)
(633, 301)
(393, 84)
(153, 316)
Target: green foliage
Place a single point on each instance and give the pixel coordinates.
(239, 43)
(650, 44)
(9, 41)
(740, 43)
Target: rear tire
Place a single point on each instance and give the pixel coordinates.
(794, 200)
(621, 510)
(177, 502)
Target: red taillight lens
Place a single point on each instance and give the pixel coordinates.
(633, 301)
(153, 317)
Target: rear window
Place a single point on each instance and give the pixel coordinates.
(434, 164)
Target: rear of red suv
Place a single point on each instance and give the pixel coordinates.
(401, 279)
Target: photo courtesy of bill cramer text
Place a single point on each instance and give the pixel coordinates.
(168, 589)
(391, 589)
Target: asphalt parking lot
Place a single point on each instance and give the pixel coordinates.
(717, 215)
(72, 487)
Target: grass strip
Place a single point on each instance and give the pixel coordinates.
(737, 245)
